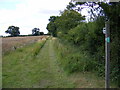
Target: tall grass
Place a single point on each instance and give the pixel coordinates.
(75, 59)
(72, 59)
(38, 47)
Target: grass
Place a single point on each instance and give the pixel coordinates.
(37, 66)
(78, 66)
(20, 69)
(24, 68)
(52, 75)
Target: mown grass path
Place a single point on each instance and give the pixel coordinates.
(53, 76)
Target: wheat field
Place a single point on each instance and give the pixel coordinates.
(11, 43)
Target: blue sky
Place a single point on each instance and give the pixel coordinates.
(5, 4)
(28, 14)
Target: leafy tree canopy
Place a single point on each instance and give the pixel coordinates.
(13, 30)
(35, 31)
(52, 26)
(68, 20)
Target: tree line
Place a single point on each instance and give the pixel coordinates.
(71, 27)
(14, 31)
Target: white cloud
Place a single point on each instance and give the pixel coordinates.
(28, 14)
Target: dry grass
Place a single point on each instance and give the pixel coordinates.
(11, 43)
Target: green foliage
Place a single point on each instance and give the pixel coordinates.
(88, 37)
(78, 34)
(13, 30)
(51, 26)
(68, 20)
(77, 62)
(85, 50)
(70, 6)
(72, 60)
(112, 11)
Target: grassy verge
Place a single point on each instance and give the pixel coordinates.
(73, 59)
(20, 68)
(79, 66)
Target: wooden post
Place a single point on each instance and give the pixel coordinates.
(107, 59)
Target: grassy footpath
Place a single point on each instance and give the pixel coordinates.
(52, 75)
(27, 67)
(36, 67)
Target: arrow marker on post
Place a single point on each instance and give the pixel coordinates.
(107, 39)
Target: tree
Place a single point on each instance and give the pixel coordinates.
(68, 20)
(13, 30)
(110, 11)
(52, 26)
(35, 31)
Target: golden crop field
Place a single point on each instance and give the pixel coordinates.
(11, 43)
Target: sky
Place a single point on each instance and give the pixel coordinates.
(28, 14)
